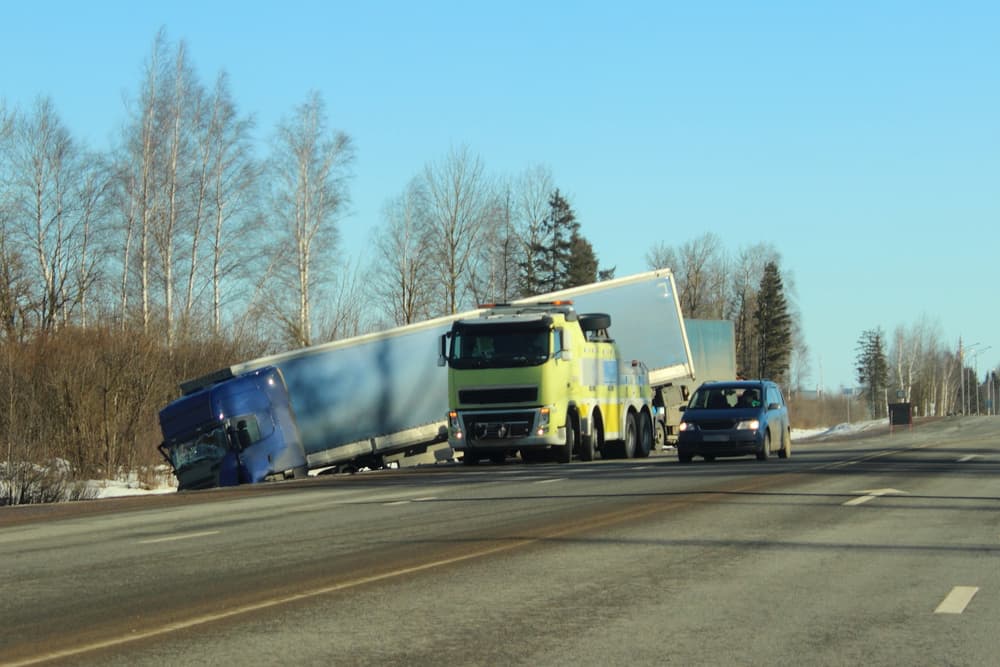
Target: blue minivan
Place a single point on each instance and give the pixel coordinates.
(737, 418)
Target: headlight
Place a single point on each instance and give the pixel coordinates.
(685, 426)
(748, 425)
(455, 424)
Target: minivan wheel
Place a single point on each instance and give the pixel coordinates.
(786, 446)
(765, 447)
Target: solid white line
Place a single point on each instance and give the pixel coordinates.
(957, 600)
(397, 502)
(968, 457)
(859, 501)
(174, 538)
(549, 481)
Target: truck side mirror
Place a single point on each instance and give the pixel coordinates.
(564, 355)
(443, 346)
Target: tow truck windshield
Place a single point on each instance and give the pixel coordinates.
(482, 347)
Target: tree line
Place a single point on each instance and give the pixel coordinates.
(916, 366)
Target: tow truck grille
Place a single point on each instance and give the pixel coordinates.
(500, 426)
(499, 395)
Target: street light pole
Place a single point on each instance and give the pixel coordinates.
(961, 370)
(975, 366)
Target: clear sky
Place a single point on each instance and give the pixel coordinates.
(862, 139)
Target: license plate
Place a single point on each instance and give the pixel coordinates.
(716, 438)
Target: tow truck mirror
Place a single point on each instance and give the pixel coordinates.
(443, 345)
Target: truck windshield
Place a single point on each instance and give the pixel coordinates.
(481, 347)
(208, 447)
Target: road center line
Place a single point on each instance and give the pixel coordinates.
(185, 536)
(957, 600)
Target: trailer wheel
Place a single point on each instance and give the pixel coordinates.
(645, 443)
(659, 435)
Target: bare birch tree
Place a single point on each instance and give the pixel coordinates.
(309, 168)
(459, 212)
(401, 278)
(227, 180)
(59, 191)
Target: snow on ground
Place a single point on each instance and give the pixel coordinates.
(167, 484)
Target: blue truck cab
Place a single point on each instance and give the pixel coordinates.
(235, 430)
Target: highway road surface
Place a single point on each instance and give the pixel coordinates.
(876, 550)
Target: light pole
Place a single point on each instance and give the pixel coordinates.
(975, 366)
(961, 372)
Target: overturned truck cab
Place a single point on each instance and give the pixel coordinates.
(235, 430)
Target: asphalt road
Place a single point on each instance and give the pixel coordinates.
(880, 550)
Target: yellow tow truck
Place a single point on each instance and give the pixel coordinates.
(542, 381)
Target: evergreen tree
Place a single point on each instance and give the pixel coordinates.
(582, 269)
(873, 369)
(551, 254)
(773, 326)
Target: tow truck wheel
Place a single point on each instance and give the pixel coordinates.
(631, 435)
(588, 450)
(645, 443)
(565, 453)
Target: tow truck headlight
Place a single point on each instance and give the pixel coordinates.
(748, 425)
(455, 425)
(543, 421)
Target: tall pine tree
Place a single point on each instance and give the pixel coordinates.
(582, 269)
(873, 369)
(551, 255)
(773, 326)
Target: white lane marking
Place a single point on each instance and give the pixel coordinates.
(408, 500)
(968, 457)
(185, 536)
(872, 494)
(549, 481)
(957, 600)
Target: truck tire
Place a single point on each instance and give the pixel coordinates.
(631, 436)
(659, 435)
(565, 453)
(588, 450)
(645, 443)
(594, 321)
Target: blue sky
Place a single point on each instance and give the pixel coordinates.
(862, 139)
